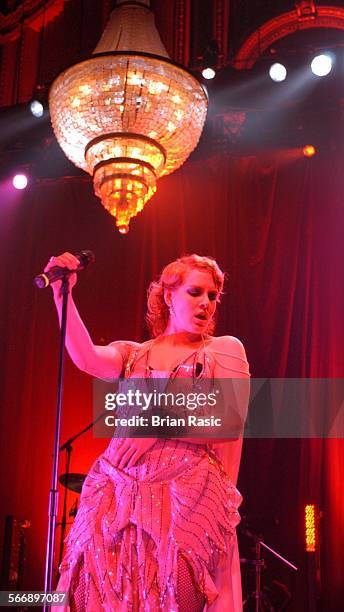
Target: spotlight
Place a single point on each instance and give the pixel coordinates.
(309, 151)
(37, 108)
(278, 72)
(209, 59)
(321, 65)
(20, 181)
(208, 73)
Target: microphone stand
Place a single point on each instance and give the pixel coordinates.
(53, 495)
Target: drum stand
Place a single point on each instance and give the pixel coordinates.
(259, 564)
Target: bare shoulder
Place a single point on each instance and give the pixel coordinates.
(124, 347)
(123, 343)
(229, 357)
(228, 345)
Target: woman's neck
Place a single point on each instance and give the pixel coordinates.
(180, 338)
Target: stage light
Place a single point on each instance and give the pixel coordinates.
(208, 73)
(209, 59)
(20, 181)
(278, 72)
(310, 528)
(37, 109)
(309, 151)
(321, 65)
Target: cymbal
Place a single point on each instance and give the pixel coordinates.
(73, 482)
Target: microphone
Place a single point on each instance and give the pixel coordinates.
(56, 273)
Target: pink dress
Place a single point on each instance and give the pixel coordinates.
(133, 524)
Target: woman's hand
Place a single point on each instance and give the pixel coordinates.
(130, 450)
(66, 260)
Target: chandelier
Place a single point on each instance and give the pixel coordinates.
(128, 115)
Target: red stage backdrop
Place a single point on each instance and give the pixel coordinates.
(277, 229)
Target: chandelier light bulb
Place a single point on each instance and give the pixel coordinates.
(321, 65)
(278, 72)
(128, 115)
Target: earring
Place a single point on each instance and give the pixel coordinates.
(172, 309)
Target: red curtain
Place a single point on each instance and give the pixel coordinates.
(276, 227)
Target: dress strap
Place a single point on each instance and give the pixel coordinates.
(133, 356)
(130, 361)
(200, 363)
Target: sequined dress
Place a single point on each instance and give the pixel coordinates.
(133, 524)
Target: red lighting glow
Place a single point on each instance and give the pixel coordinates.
(310, 528)
(309, 151)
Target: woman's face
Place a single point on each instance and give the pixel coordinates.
(193, 303)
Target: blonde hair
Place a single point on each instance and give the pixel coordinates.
(172, 277)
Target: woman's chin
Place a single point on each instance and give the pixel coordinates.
(199, 327)
(200, 323)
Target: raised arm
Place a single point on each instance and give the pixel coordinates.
(99, 361)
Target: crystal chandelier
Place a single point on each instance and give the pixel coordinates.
(128, 115)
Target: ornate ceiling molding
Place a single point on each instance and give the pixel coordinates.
(34, 14)
(283, 25)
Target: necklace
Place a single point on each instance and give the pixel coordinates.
(196, 368)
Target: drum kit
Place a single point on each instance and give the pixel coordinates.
(72, 481)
